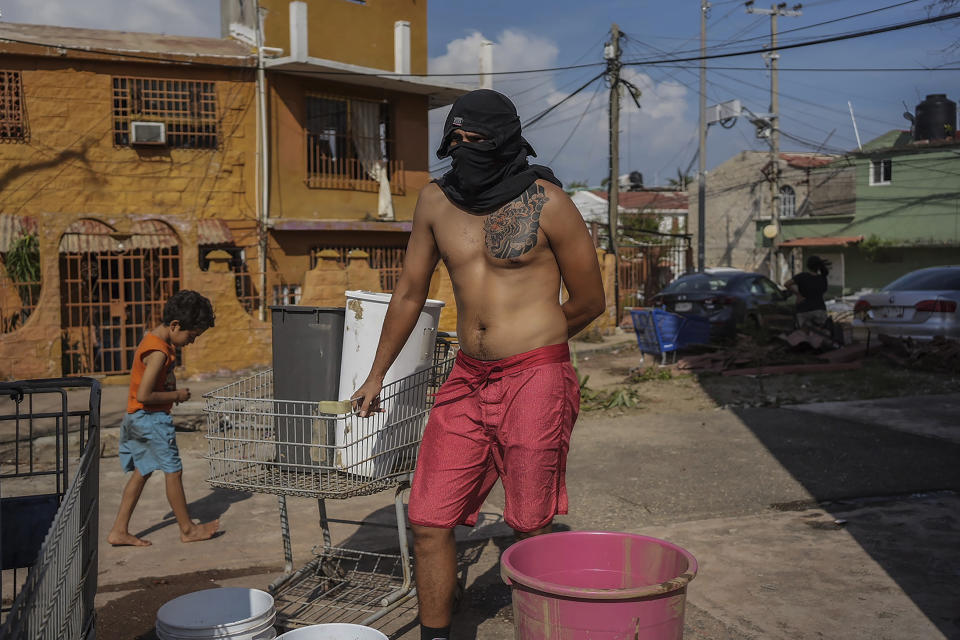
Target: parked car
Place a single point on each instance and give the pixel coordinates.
(728, 298)
(922, 304)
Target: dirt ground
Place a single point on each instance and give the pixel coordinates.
(657, 388)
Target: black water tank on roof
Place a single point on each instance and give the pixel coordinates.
(936, 118)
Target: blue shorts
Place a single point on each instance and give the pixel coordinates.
(148, 442)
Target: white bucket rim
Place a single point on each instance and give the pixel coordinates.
(233, 624)
(331, 626)
(378, 296)
(257, 635)
(219, 631)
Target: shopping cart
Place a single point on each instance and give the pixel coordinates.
(323, 450)
(49, 489)
(662, 332)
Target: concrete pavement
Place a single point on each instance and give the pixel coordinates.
(806, 524)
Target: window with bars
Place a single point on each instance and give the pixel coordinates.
(788, 202)
(348, 142)
(187, 108)
(12, 121)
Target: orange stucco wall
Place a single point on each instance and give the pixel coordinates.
(290, 197)
(356, 33)
(69, 169)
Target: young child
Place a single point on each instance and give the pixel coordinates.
(147, 438)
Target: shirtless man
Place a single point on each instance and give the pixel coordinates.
(507, 234)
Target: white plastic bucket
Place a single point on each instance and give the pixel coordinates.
(228, 613)
(360, 441)
(333, 631)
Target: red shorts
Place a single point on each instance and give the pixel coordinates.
(507, 418)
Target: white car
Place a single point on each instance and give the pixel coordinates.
(922, 305)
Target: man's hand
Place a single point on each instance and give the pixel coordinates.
(182, 395)
(367, 398)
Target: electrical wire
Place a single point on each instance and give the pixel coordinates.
(540, 116)
(576, 126)
(335, 73)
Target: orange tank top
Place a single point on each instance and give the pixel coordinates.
(150, 343)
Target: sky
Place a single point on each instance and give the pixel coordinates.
(660, 138)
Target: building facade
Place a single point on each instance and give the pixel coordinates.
(136, 165)
(738, 199)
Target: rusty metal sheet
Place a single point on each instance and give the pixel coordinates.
(12, 227)
(93, 236)
(214, 231)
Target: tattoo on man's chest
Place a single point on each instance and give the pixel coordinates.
(511, 230)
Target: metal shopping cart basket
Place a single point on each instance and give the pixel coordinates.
(662, 332)
(324, 451)
(49, 491)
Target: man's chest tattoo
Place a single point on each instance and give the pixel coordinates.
(511, 230)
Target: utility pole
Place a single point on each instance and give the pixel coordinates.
(702, 154)
(774, 11)
(611, 53)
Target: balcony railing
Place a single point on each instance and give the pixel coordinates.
(326, 172)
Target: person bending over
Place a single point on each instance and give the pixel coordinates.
(148, 441)
(809, 287)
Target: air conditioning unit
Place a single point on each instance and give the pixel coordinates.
(148, 133)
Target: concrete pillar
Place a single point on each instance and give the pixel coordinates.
(401, 46)
(486, 64)
(299, 44)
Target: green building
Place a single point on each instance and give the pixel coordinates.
(880, 212)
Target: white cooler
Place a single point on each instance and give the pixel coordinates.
(361, 442)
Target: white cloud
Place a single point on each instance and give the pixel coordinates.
(655, 132)
(181, 17)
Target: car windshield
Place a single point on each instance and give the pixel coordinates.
(700, 282)
(927, 280)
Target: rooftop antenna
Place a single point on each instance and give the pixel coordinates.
(855, 131)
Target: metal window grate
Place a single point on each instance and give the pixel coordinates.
(12, 120)
(17, 301)
(188, 109)
(387, 260)
(340, 144)
(112, 293)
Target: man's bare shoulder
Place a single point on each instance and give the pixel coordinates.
(558, 204)
(431, 200)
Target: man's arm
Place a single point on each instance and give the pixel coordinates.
(406, 303)
(577, 259)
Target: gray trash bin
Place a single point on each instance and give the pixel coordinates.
(307, 342)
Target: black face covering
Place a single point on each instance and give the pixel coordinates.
(486, 175)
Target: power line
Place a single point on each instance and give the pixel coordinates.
(825, 69)
(545, 112)
(809, 43)
(714, 56)
(576, 126)
(817, 24)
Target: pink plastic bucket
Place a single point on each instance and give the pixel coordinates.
(599, 585)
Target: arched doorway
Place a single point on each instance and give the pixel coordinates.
(112, 289)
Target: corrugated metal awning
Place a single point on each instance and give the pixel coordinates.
(213, 231)
(12, 227)
(825, 241)
(93, 236)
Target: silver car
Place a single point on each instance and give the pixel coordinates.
(922, 304)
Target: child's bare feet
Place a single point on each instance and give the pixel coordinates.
(124, 539)
(200, 532)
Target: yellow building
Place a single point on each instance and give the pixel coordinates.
(135, 161)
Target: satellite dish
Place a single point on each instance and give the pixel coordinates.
(770, 231)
